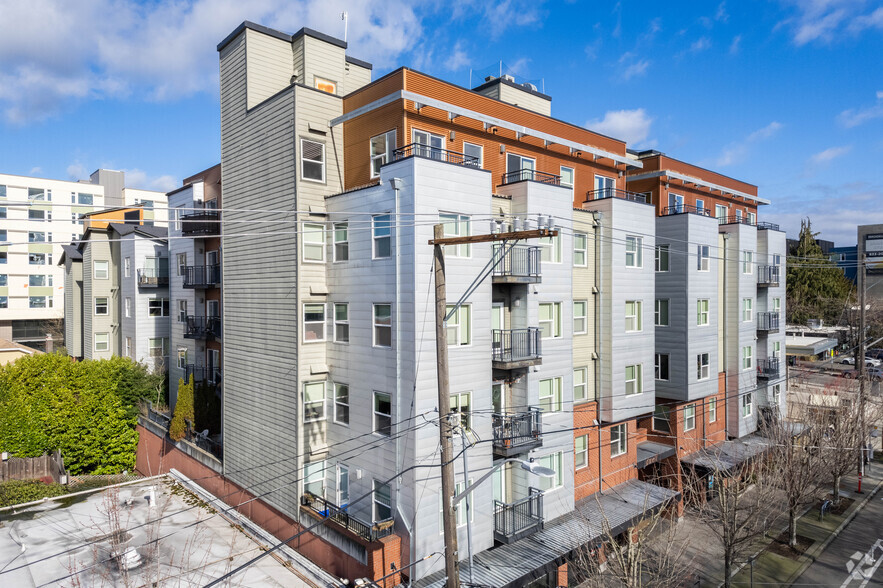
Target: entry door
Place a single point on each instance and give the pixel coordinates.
(497, 398)
(604, 187)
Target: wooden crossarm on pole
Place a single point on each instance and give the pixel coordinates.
(511, 235)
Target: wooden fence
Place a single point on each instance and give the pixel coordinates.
(29, 468)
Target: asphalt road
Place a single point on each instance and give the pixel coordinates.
(855, 558)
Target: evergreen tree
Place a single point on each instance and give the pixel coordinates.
(183, 410)
(816, 287)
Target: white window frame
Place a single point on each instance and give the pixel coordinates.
(163, 346)
(182, 263)
(555, 462)
(580, 321)
(747, 404)
(127, 267)
(580, 249)
(314, 473)
(182, 311)
(712, 410)
(703, 371)
(101, 274)
(313, 405)
(554, 398)
(427, 149)
(721, 211)
(128, 347)
(310, 242)
(619, 440)
(345, 322)
(380, 325)
(581, 384)
(480, 152)
(105, 344)
(634, 320)
(776, 394)
(341, 247)
(703, 256)
(550, 249)
(637, 382)
(459, 325)
(662, 303)
(339, 404)
(323, 322)
(381, 415)
(377, 235)
(377, 503)
(572, 182)
(456, 225)
(747, 262)
(747, 358)
(106, 305)
(343, 473)
(554, 322)
(158, 304)
(318, 82)
(461, 405)
(389, 140)
(661, 360)
(703, 312)
(752, 217)
(689, 417)
(581, 452)
(700, 205)
(304, 160)
(181, 355)
(663, 253)
(634, 255)
(747, 310)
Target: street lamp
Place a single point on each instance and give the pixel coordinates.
(531, 466)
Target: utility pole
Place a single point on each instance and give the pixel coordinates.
(860, 365)
(445, 428)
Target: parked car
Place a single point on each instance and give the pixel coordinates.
(850, 360)
(875, 373)
(876, 353)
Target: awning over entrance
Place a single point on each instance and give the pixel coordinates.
(651, 452)
(725, 456)
(805, 346)
(516, 564)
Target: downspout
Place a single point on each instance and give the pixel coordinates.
(596, 227)
(726, 356)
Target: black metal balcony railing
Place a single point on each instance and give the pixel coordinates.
(202, 374)
(153, 277)
(768, 322)
(338, 515)
(516, 346)
(765, 225)
(768, 368)
(735, 220)
(436, 153)
(202, 276)
(520, 264)
(530, 175)
(767, 275)
(686, 208)
(519, 519)
(517, 433)
(605, 193)
(203, 223)
(202, 327)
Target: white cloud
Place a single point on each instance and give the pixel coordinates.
(164, 183)
(77, 171)
(35, 171)
(632, 66)
(828, 155)
(700, 44)
(458, 58)
(632, 126)
(835, 210)
(137, 178)
(721, 14)
(827, 21)
(734, 46)
(739, 150)
(858, 116)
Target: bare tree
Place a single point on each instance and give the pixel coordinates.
(736, 505)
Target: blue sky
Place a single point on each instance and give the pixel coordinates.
(785, 94)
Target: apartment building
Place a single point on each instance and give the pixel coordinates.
(38, 217)
(195, 281)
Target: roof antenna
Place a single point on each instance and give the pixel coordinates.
(343, 17)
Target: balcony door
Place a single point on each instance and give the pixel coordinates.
(675, 202)
(427, 144)
(518, 163)
(498, 398)
(604, 187)
(720, 211)
(500, 484)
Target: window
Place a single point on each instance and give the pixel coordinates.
(777, 259)
(550, 320)
(182, 311)
(633, 255)
(633, 379)
(36, 237)
(36, 215)
(460, 509)
(456, 225)
(383, 325)
(460, 325)
(382, 147)
(712, 410)
(102, 341)
(382, 501)
(312, 161)
(661, 313)
(83, 198)
(554, 462)
(604, 187)
(158, 307)
(341, 323)
(382, 414)
(661, 419)
(101, 307)
(580, 384)
(37, 280)
(3, 256)
(689, 417)
(2, 212)
(550, 249)
(4, 302)
(700, 206)
(314, 478)
(752, 218)
(4, 280)
(213, 308)
(702, 256)
(581, 452)
(567, 176)
(721, 212)
(182, 357)
(427, 144)
(580, 318)
(746, 404)
(519, 168)
(100, 270)
(36, 302)
(747, 262)
(675, 203)
(618, 440)
(776, 393)
(341, 242)
(3, 235)
(382, 228)
(36, 194)
(325, 85)
(314, 323)
(746, 309)
(475, 152)
(182, 263)
(460, 405)
(550, 394)
(314, 401)
(580, 250)
(702, 366)
(343, 485)
(633, 316)
(36, 258)
(777, 305)
(341, 404)
(127, 267)
(702, 312)
(158, 347)
(314, 242)
(661, 365)
(662, 253)
(747, 357)
(128, 347)
(777, 348)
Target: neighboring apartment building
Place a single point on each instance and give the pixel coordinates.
(195, 281)
(37, 217)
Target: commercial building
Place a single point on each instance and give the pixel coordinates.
(38, 217)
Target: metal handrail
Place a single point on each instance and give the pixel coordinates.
(435, 153)
(202, 327)
(686, 208)
(767, 274)
(202, 275)
(514, 430)
(519, 261)
(516, 344)
(530, 175)
(202, 223)
(519, 518)
(605, 193)
(768, 367)
(153, 276)
(202, 374)
(770, 226)
(339, 515)
(767, 321)
(735, 220)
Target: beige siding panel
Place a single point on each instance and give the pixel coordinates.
(297, 53)
(269, 66)
(525, 100)
(355, 77)
(323, 60)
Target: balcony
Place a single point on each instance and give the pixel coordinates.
(686, 209)
(202, 327)
(203, 223)
(202, 374)
(519, 265)
(767, 322)
(530, 175)
(768, 368)
(202, 276)
(436, 154)
(151, 277)
(767, 275)
(605, 193)
(516, 348)
(517, 433)
(771, 226)
(519, 519)
(337, 517)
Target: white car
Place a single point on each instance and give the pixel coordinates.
(849, 360)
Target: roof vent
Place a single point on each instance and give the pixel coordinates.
(490, 78)
(529, 86)
(508, 78)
